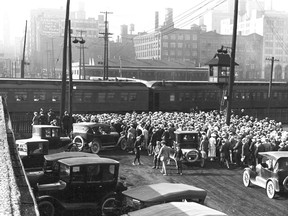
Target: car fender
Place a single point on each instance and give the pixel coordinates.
(120, 139)
(95, 139)
(275, 182)
(251, 172)
(48, 198)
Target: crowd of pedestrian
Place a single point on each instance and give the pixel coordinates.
(239, 143)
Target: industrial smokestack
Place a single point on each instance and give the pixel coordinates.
(156, 20)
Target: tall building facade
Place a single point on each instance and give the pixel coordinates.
(45, 43)
(272, 26)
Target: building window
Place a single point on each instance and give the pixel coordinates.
(180, 37)
(187, 37)
(132, 97)
(124, 97)
(180, 45)
(173, 45)
(165, 44)
(194, 37)
(87, 97)
(172, 36)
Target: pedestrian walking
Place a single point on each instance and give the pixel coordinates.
(179, 158)
(156, 160)
(137, 150)
(164, 156)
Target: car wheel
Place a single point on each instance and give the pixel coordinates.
(46, 208)
(74, 148)
(79, 141)
(109, 205)
(285, 183)
(123, 144)
(95, 146)
(270, 190)
(246, 178)
(192, 156)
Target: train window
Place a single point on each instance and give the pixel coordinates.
(258, 96)
(87, 97)
(124, 96)
(265, 95)
(78, 97)
(101, 97)
(55, 97)
(132, 97)
(21, 96)
(247, 95)
(276, 95)
(110, 96)
(39, 96)
(172, 97)
(187, 96)
(181, 97)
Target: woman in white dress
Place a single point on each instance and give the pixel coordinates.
(212, 147)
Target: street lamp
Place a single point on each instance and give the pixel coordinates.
(82, 42)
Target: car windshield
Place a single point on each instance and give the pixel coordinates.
(64, 172)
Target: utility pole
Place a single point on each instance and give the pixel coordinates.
(64, 66)
(106, 36)
(70, 79)
(270, 83)
(232, 64)
(23, 58)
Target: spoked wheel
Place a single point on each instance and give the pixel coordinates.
(79, 142)
(246, 179)
(95, 146)
(46, 208)
(270, 190)
(109, 206)
(123, 144)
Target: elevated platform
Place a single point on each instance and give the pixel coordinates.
(16, 196)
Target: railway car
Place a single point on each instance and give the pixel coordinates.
(115, 95)
(251, 96)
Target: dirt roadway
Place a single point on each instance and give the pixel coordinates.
(225, 189)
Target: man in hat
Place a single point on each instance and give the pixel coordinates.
(137, 150)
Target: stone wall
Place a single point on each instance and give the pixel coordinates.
(16, 196)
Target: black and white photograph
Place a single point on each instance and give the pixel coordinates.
(144, 108)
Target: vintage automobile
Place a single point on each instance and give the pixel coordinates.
(177, 209)
(84, 183)
(49, 171)
(32, 152)
(45, 140)
(148, 195)
(189, 143)
(271, 173)
(94, 136)
(52, 134)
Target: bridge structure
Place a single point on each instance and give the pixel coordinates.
(16, 196)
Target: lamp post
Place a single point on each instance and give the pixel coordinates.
(81, 41)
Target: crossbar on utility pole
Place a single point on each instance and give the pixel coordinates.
(106, 36)
(232, 65)
(270, 83)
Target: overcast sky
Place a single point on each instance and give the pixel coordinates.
(140, 13)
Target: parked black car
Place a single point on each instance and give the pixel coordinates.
(84, 183)
(94, 136)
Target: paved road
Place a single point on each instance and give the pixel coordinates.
(225, 189)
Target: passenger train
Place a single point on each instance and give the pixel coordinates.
(126, 95)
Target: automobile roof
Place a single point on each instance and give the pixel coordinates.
(275, 154)
(30, 140)
(177, 209)
(165, 192)
(78, 161)
(89, 123)
(45, 126)
(186, 132)
(63, 155)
